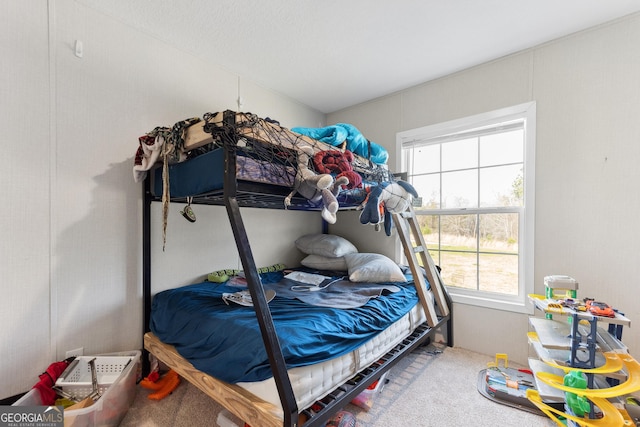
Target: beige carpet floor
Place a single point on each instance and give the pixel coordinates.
(434, 386)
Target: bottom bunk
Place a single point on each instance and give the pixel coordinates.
(257, 411)
(332, 353)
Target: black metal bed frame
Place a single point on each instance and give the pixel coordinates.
(241, 194)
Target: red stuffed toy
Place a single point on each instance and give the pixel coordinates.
(337, 163)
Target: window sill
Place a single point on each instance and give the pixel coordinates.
(514, 305)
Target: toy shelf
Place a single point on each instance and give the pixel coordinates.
(547, 393)
(554, 334)
(558, 360)
(552, 306)
(576, 345)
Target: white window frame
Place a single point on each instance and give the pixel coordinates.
(527, 111)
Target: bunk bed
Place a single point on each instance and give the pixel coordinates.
(240, 160)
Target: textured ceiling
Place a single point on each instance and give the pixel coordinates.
(332, 54)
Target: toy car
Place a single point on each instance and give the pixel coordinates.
(598, 308)
(573, 304)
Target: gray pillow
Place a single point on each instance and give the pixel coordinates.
(365, 267)
(328, 245)
(320, 262)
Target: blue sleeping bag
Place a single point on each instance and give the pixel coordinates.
(356, 143)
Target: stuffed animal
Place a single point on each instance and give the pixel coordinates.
(316, 187)
(385, 199)
(338, 163)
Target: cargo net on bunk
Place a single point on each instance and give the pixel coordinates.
(305, 172)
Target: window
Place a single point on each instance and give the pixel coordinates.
(475, 179)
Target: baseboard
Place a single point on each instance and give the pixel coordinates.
(8, 401)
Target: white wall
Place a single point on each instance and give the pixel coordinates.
(70, 223)
(588, 150)
(25, 167)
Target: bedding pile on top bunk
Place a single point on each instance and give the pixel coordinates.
(347, 133)
(339, 167)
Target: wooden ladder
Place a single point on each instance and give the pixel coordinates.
(407, 225)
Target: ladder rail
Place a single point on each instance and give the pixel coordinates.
(432, 272)
(407, 225)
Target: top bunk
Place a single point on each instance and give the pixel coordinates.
(260, 163)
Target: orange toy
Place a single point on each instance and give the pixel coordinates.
(161, 386)
(599, 308)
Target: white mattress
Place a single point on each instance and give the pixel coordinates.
(313, 382)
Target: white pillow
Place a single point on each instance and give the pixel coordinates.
(365, 267)
(320, 262)
(328, 245)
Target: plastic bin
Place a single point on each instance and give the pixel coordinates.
(365, 399)
(77, 380)
(115, 400)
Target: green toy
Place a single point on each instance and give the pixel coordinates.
(222, 276)
(579, 405)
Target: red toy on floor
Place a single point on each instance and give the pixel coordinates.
(342, 419)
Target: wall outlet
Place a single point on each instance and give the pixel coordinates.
(74, 353)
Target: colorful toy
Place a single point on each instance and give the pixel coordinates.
(611, 415)
(337, 163)
(162, 386)
(385, 199)
(573, 304)
(579, 405)
(598, 308)
(559, 286)
(342, 419)
(317, 188)
(221, 276)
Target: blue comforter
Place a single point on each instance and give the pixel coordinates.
(225, 341)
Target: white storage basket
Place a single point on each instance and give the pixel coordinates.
(110, 409)
(76, 379)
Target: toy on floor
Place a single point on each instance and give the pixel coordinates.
(609, 414)
(507, 386)
(342, 419)
(162, 386)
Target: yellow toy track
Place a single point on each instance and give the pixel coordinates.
(631, 385)
(611, 417)
(614, 362)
